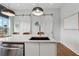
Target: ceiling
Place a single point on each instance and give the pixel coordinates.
(24, 6)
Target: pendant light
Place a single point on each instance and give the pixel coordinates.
(37, 11)
(7, 12)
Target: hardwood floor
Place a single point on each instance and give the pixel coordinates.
(64, 51)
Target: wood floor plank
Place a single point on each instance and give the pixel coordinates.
(62, 50)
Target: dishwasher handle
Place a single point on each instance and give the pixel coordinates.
(5, 47)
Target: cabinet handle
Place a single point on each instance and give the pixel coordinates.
(9, 47)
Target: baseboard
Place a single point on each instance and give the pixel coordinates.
(62, 50)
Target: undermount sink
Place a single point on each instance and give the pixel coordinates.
(39, 38)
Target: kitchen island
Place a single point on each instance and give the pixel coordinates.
(34, 47)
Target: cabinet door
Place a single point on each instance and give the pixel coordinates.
(48, 49)
(31, 49)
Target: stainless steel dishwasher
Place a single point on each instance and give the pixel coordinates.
(12, 49)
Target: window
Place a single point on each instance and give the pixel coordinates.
(4, 26)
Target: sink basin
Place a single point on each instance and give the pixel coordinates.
(39, 38)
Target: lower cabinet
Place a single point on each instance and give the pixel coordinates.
(31, 49)
(40, 49)
(48, 49)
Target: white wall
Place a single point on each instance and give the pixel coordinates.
(46, 23)
(57, 20)
(21, 24)
(49, 24)
(69, 37)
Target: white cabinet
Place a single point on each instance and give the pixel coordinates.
(48, 49)
(31, 49)
(40, 49)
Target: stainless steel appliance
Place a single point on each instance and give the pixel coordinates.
(12, 49)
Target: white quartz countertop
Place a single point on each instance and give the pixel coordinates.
(25, 39)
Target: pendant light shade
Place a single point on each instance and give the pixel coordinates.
(37, 11)
(8, 12)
